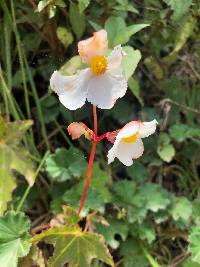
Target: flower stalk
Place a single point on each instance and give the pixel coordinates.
(90, 163)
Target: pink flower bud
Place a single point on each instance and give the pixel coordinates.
(76, 129)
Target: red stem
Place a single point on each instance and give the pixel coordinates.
(90, 163)
(95, 119)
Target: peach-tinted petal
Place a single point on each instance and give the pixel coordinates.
(94, 46)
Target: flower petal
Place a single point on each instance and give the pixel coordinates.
(104, 90)
(129, 129)
(147, 128)
(94, 46)
(71, 90)
(115, 60)
(113, 151)
(126, 152)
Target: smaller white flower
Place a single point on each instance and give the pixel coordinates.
(128, 144)
(102, 83)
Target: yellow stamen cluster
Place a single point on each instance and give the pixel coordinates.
(131, 138)
(98, 65)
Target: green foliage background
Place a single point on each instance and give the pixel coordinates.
(149, 213)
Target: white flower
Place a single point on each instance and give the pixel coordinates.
(101, 84)
(128, 144)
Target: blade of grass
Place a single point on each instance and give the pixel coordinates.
(151, 260)
(37, 102)
(29, 187)
(23, 75)
(7, 37)
(12, 103)
(12, 20)
(63, 133)
(5, 101)
(4, 89)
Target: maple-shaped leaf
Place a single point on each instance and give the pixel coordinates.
(13, 160)
(98, 194)
(13, 157)
(14, 238)
(75, 247)
(14, 131)
(115, 227)
(34, 258)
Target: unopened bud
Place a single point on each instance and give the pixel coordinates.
(76, 129)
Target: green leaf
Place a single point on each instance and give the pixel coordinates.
(166, 153)
(124, 186)
(124, 5)
(137, 171)
(181, 209)
(196, 211)
(65, 164)
(113, 26)
(124, 35)
(50, 108)
(184, 33)
(179, 7)
(161, 216)
(135, 89)
(7, 180)
(77, 20)
(132, 253)
(194, 244)
(100, 180)
(13, 159)
(154, 67)
(14, 238)
(65, 36)
(130, 60)
(139, 212)
(75, 247)
(97, 196)
(94, 200)
(165, 150)
(115, 227)
(34, 257)
(190, 263)
(145, 231)
(14, 131)
(83, 4)
(118, 32)
(133, 200)
(60, 3)
(71, 66)
(71, 215)
(157, 198)
(121, 111)
(180, 132)
(94, 25)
